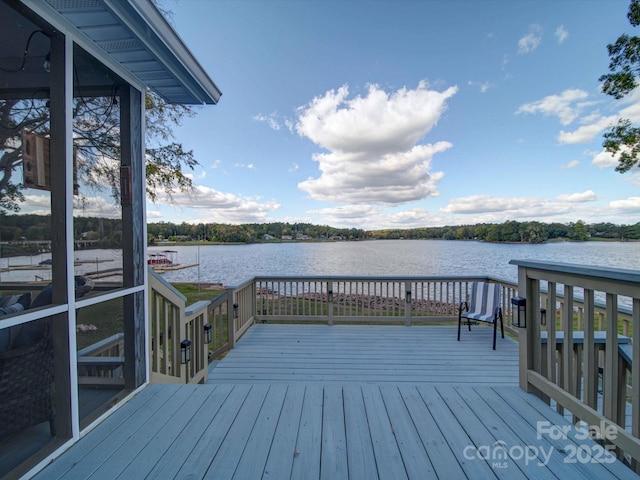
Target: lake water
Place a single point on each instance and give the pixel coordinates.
(233, 264)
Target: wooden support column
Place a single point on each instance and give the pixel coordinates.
(61, 216)
(132, 194)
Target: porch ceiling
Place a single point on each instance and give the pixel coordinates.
(136, 35)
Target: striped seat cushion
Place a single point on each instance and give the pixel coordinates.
(483, 302)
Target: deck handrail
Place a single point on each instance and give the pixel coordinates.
(102, 362)
(567, 371)
(394, 299)
(171, 322)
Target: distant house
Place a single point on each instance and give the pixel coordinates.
(266, 236)
(287, 237)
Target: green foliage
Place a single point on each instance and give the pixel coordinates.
(108, 232)
(97, 145)
(623, 138)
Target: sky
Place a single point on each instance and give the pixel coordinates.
(381, 114)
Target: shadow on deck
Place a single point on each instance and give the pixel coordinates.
(360, 402)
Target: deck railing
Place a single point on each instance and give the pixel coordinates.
(404, 300)
(102, 363)
(564, 360)
(171, 323)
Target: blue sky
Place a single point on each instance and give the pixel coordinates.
(391, 114)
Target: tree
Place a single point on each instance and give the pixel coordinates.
(97, 144)
(623, 138)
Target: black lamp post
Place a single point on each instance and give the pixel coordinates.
(519, 304)
(235, 310)
(330, 296)
(185, 346)
(207, 333)
(408, 297)
(543, 316)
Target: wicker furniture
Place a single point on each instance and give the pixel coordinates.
(27, 384)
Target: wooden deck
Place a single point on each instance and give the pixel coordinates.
(342, 402)
(360, 354)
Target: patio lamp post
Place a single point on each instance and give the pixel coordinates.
(207, 333)
(185, 347)
(519, 306)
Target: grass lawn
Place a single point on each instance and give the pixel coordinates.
(195, 293)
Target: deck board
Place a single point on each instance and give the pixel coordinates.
(348, 354)
(375, 424)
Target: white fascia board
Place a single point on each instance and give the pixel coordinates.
(168, 47)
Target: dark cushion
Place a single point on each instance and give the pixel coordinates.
(23, 299)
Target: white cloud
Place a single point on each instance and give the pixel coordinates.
(347, 212)
(634, 179)
(96, 207)
(587, 196)
(483, 86)
(271, 120)
(248, 166)
(531, 40)
(572, 164)
(566, 106)
(364, 216)
(561, 34)
(486, 203)
(585, 133)
(225, 207)
(629, 204)
(487, 208)
(604, 159)
(372, 142)
(294, 167)
(83, 206)
(215, 164)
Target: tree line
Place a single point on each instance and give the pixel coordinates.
(510, 231)
(107, 233)
(518, 232)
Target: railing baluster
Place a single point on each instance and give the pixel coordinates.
(590, 359)
(611, 379)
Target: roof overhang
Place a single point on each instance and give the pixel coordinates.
(135, 35)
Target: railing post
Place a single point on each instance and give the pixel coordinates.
(254, 296)
(529, 337)
(330, 295)
(611, 379)
(231, 330)
(407, 303)
(568, 361)
(590, 360)
(635, 375)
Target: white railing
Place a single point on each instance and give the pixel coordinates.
(404, 300)
(564, 359)
(171, 323)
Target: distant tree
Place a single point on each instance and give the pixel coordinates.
(623, 138)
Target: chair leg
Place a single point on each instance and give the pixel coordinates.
(495, 330)
(459, 325)
(501, 324)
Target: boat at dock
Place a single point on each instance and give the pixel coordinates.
(165, 261)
